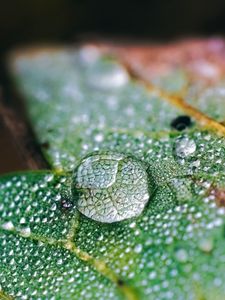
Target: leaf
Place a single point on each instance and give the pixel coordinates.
(38, 258)
(193, 69)
(80, 101)
(66, 131)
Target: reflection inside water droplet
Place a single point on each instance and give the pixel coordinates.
(110, 186)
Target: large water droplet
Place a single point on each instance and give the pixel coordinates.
(110, 186)
(184, 147)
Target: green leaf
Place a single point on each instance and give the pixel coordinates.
(38, 258)
(174, 249)
(104, 99)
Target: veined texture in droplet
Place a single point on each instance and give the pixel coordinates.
(184, 147)
(107, 76)
(110, 186)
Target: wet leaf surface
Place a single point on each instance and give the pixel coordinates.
(82, 102)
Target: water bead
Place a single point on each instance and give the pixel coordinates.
(206, 245)
(181, 255)
(110, 186)
(88, 55)
(8, 226)
(106, 76)
(184, 147)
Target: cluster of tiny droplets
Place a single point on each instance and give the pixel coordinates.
(55, 273)
(39, 200)
(32, 221)
(196, 153)
(102, 93)
(167, 247)
(209, 100)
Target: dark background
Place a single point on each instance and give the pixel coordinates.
(28, 21)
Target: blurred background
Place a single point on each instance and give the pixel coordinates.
(34, 21)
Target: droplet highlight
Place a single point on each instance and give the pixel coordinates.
(110, 186)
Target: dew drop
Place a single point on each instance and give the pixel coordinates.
(99, 138)
(181, 255)
(88, 54)
(195, 164)
(206, 245)
(8, 226)
(184, 147)
(53, 207)
(26, 232)
(138, 248)
(107, 76)
(110, 186)
(22, 220)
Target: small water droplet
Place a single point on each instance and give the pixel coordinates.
(110, 186)
(138, 248)
(60, 262)
(181, 255)
(53, 207)
(8, 226)
(26, 232)
(22, 220)
(195, 164)
(99, 138)
(206, 245)
(132, 225)
(49, 177)
(184, 147)
(89, 54)
(107, 76)
(152, 275)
